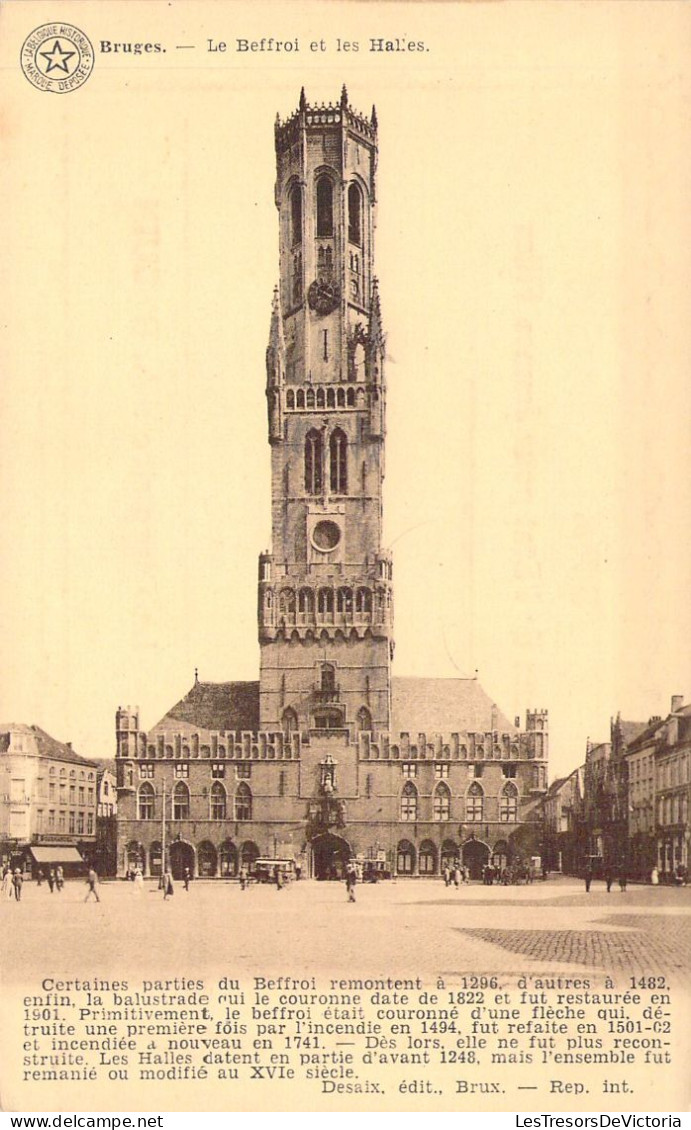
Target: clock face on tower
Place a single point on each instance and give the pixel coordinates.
(323, 296)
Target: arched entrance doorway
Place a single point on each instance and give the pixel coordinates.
(206, 860)
(228, 857)
(249, 854)
(181, 856)
(475, 857)
(330, 855)
(135, 856)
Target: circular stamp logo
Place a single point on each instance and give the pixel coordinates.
(57, 57)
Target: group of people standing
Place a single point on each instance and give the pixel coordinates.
(454, 874)
(609, 876)
(13, 881)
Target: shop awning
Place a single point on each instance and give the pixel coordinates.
(60, 853)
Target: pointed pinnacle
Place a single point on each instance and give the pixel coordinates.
(303, 100)
(374, 116)
(344, 96)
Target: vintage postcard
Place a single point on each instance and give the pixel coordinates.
(346, 737)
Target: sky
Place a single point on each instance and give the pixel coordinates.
(532, 250)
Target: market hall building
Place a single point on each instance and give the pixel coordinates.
(327, 755)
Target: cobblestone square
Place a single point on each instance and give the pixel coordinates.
(405, 927)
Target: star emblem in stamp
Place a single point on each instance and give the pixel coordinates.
(57, 58)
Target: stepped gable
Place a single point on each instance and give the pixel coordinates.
(214, 706)
(444, 706)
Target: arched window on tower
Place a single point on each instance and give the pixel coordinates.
(313, 462)
(442, 803)
(297, 276)
(243, 802)
(409, 802)
(508, 803)
(289, 720)
(328, 681)
(364, 720)
(338, 453)
(145, 802)
(355, 214)
(325, 209)
(181, 802)
(475, 803)
(295, 215)
(217, 805)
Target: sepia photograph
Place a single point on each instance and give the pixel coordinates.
(345, 728)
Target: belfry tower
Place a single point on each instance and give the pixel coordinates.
(325, 587)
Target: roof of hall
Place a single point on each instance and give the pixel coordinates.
(214, 706)
(425, 706)
(442, 706)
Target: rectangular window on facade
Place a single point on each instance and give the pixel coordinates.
(509, 771)
(51, 791)
(82, 794)
(80, 823)
(441, 770)
(243, 770)
(218, 770)
(73, 794)
(39, 820)
(61, 822)
(51, 821)
(146, 771)
(91, 791)
(409, 768)
(477, 770)
(282, 783)
(89, 823)
(72, 824)
(182, 769)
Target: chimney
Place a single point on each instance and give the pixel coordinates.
(517, 721)
(677, 703)
(655, 718)
(69, 745)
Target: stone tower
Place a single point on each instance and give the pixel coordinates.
(325, 588)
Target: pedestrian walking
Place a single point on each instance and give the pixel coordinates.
(17, 881)
(457, 877)
(51, 879)
(91, 881)
(351, 880)
(654, 876)
(243, 878)
(7, 889)
(609, 879)
(168, 888)
(447, 875)
(59, 878)
(186, 878)
(622, 881)
(138, 880)
(39, 877)
(588, 876)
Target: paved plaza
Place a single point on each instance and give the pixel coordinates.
(409, 927)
